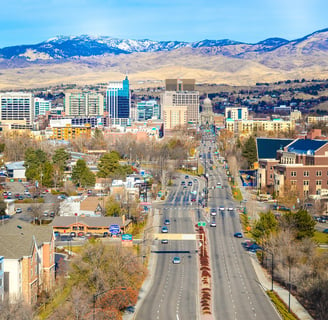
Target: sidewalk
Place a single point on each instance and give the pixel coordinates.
(265, 280)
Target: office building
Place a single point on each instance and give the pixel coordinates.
(175, 117)
(41, 106)
(118, 101)
(148, 110)
(189, 99)
(17, 108)
(78, 103)
(236, 113)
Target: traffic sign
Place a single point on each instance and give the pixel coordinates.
(127, 237)
(114, 229)
(201, 224)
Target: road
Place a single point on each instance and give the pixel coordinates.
(237, 293)
(174, 293)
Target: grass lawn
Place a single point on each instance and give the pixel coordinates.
(281, 307)
(236, 193)
(320, 237)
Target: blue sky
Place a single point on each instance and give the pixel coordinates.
(33, 21)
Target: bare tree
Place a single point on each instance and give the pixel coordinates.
(12, 310)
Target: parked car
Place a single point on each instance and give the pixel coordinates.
(19, 210)
(73, 234)
(80, 234)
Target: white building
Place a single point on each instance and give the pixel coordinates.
(78, 103)
(16, 170)
(41, 106)
(236, 113)
(17, 108)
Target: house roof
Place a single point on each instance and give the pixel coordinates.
(101, 221)
(91, 203)
(16, 238)
(267, 147)
(19, 165)
(306, 146)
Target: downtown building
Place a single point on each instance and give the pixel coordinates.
(17, 110)
(179, 103)
(147, 110)
(78, 103)
(118, 102)
(41, 106)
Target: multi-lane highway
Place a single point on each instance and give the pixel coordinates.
(236, 291)
(174, 292)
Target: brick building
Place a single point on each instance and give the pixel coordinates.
(28, 259)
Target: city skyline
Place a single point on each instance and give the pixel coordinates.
(29, 22)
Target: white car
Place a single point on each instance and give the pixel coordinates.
(176, 260)
(19, 210)
(221, 208)
(230, 209)
(213, 212)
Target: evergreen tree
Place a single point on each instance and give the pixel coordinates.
(265, 226)
(249, 151)
(82, 175)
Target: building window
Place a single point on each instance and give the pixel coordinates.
(319, 173)
(306, 173)
(293, 182)
(306, 182)
(318, 182)
(293, 173)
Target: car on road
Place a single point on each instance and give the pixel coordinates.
(176, 260)
(230, 209)
(195, 180)
(167, 221)
(19, 210)
(189, 183)
(221, 208)
(186, 177)
(213, 212)
(238, 235)
(165, 229)
(164, 241)
(213, 223)
(183, 183)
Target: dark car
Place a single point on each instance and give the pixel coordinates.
(253, 248)
(167, 221)
(164, 241)
(189, 183)
(238, 235)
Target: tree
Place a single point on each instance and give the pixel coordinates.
(60, 158)
(266, 225)
(249, 151)
(113, 207)
(35, 162)
(82, 175)
(108, 164)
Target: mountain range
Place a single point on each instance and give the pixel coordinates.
(94, 59)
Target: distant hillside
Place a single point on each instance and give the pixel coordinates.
(87, 59)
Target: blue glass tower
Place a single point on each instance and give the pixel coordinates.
(118, 99)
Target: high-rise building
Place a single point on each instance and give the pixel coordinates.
(17, 108)
(118, 101)
(174, 117)
(78, 103)
(190, 99)
(148, 110)
(41, 106)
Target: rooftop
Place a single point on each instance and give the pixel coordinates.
(267, 147)
(306, 146)
(16, 238)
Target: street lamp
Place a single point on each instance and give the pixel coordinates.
(96, 295)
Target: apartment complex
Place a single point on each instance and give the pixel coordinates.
(78, 103)
(41, 106)
(300, 166)
(17, 108)
(70, 132)
(236, 113)
(118, 100)
(28, 259)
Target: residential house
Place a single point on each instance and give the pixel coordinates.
(28, 259)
